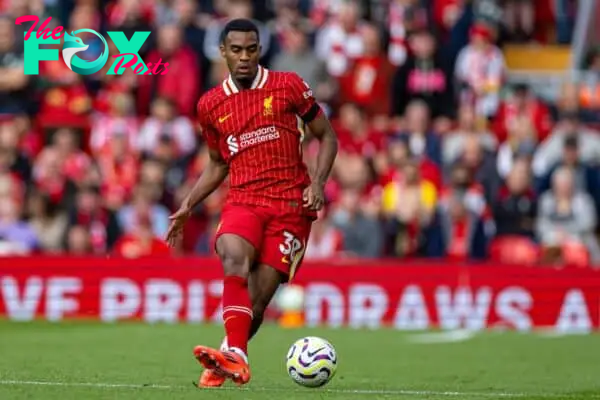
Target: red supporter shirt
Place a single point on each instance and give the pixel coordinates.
(258, 132)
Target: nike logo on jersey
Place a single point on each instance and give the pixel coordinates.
(224, 118)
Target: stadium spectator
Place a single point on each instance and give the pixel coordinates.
(519, 17)
(29, 137)
(141, 241)
(325, 240)
(521, 107)
(368, 77)
(408, 207)
(12, 158)
(101, 223)
(118, 120)
(78, 241)
(454, 143)
(356, 136)
(461, 182)
(119, 168)
(164, 122)
(131, 16)
(297, 56)
(568, 99)
(153, 176)
(589, 87)
(289, 16)
(75, 162)
(550, 151)
(340, 41)
(404, 17)
(586, 177)
(66, 100)
(361, 231)
(113, 85)
(564, 15)
(520, 143)
(14, 84)
(480, 71)
(566, 215)
(416, 128)
(351, 173)
(482, 166)
(423, 76)
(166, 81)
(459, 234)
(516, 207)
(141, 208)
(392, 163)
(185, 14)
(48, 221)
(49, 178)
(446, 14)
(17, 237)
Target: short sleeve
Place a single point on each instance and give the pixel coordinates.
(210, 135)
(303, 100)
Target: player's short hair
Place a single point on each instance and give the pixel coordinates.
(239, 25)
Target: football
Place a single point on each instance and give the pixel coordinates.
(311, 362)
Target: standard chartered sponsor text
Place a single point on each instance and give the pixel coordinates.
(259, 136)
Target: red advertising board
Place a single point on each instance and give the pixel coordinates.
(358, 294)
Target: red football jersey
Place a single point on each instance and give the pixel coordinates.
(258, 132)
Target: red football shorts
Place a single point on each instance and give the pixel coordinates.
(280, 239)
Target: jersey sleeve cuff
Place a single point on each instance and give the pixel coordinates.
(312, 113)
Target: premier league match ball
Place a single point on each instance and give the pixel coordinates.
(311, 362)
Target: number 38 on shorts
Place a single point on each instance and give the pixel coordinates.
(280, 240)
(292, 249)
(284, 247)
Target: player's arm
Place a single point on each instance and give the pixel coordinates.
(321, 128)
(310, 112)
(211, 178)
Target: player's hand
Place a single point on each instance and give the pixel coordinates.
(313, 197)
(175, 232)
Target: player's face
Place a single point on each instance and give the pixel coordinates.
(241, 51)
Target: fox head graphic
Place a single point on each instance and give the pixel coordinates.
(74, 45)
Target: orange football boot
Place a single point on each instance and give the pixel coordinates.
(226, 363)
(211, 378)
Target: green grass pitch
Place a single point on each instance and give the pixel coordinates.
(136, 361)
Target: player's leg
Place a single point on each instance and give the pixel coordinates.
(238, 238)
(263, 283)
(236, 256)
(280, 257)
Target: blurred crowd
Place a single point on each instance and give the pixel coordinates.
(439, 157)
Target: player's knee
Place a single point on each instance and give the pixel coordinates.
(235, 263)
(236, 256)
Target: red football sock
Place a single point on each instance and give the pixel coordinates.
(237, 312)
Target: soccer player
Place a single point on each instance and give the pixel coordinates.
(253, 124)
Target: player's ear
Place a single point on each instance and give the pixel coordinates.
(222, 49)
